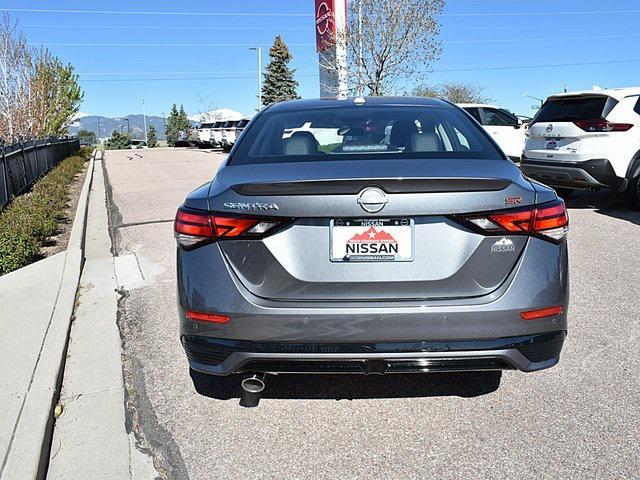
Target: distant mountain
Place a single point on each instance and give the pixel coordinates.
(103, 126)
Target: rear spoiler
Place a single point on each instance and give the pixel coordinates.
(389, 185)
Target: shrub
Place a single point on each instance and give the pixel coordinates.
(27, 222)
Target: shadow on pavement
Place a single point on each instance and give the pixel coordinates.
(603, 202)
(352, 387)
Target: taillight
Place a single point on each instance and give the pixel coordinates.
(602, 125)
(549, 221)
(196, 227)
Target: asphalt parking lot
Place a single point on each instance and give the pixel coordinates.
(580, 419)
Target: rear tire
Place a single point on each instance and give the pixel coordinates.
(632, 194)
(564, 192)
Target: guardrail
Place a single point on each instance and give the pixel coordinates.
(23, 163)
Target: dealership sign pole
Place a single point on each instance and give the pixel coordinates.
(331, 27)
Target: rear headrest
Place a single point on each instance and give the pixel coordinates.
(300, 145)
(424, 142)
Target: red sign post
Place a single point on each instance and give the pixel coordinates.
(331, 25)
(325, 24)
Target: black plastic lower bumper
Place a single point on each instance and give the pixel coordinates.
(588, 174)
(222, 356)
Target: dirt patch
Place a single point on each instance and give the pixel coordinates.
(59, 242)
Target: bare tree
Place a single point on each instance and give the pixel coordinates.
(389, 43)
(455, 92)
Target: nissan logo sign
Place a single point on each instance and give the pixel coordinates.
(372, 199)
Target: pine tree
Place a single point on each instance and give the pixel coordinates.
(183, 120)
(118, 141)
(279, 84)
(172, 126)
(152, 138)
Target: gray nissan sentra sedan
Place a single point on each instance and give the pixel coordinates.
(370, 235)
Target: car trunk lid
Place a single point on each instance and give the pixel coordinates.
(445, 258)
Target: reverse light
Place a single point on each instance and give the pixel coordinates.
(549, 221)
(207, 317)
(542, 313)
(195, 227)
(602, 125)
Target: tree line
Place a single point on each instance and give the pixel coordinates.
(39, 94)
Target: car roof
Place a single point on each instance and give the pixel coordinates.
(478, 105)
(617, 93)
(304, 104)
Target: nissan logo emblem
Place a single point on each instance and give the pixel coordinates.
(372, 199)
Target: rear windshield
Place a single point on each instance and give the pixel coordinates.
(576, 108)
(349, 132)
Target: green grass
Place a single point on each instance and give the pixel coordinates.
(329, 147)
(30, 219)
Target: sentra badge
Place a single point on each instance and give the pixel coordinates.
(250, 206)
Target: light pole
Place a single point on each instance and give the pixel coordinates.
(360, 53)
(259, 50)
(144, 117)
(535, 98)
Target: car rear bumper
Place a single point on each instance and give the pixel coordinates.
(222, 356)
(596, 173)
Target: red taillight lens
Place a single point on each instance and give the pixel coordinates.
(193, 223)
(550, 218)
(195, 227)
(233, 227)
(519, 221)
(602, 125)
(549, 221)
(207, 317)
(542, 313)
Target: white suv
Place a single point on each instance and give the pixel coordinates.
(587, 140)
(204, 135)
(504, 127)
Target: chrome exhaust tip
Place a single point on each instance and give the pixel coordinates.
(253, 382)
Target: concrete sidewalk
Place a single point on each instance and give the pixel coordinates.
(37, 305)
(90, 437)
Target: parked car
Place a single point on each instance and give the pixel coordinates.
(187, 138)
(216, 133)
(229, 134)
(204, 135)
(181, 140)
(137, 144)
(587, 140)
(426, 252)
(241, 125)
(503, 126)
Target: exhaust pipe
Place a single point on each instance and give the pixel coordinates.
(253, 382)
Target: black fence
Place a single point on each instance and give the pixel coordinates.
(23, 163)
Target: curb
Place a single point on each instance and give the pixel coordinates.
(29, 453)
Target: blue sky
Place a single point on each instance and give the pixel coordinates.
(504, 45)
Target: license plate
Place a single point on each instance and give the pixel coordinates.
(372, 240)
